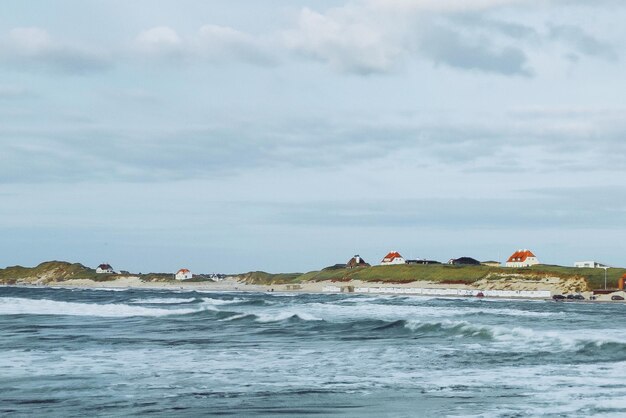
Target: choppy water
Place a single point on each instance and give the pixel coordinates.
(98, 352)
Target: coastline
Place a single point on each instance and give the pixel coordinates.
(355, 287)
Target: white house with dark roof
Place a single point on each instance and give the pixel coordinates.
(104, 269)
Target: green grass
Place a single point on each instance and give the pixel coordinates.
(261, 277)
(438, 273)
(54, 270)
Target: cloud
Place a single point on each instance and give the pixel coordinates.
(344, 38)
(446, 46)
(211, 43)
(379, 37)
(33, 49)
(558, 143)
(161, 40)
(446, 6)
(533, 209)
(215, 41)
(582, 42)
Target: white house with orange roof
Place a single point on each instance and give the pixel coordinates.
(392, 258)
(183, 274)
(522, 258)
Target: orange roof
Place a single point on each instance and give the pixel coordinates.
(520, 256)
(392, 256)
(183, 271)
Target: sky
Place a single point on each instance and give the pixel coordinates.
(290, 135)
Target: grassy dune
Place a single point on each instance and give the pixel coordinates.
(51, 271)
(439, 273)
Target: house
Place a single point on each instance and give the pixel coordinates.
(522, 258)
(464, 261)
(183, 274)
(392, 258)
(491, 263)
(422, 261)
(356, 261)
(104, 269)
(590, 265)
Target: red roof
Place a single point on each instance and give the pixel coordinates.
(520, 256)
(392, 256)
(184, 271)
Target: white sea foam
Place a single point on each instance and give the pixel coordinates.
(524, 339)
(18, 306)
(214, 301)
(163, 300)
(283, 315)
(234, 317)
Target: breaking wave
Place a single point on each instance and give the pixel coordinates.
(275, 317)
(23, 306)
(169, 301)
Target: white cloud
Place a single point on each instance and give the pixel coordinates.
(224, 42)
(32, 48)
(159, 40)
(346, 38)
(377, 37)
(30, 40)
(210, 43)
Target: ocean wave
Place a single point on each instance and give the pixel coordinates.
(272, 317)
(525, 339)
(154, 301)
(23, 306)
(451, 328)
(214, 301)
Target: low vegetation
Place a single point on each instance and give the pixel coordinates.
(50, 271)
(438, 273)
(58, 271)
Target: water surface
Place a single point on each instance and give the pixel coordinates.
(71, 352)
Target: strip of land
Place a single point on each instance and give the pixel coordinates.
(555, 279)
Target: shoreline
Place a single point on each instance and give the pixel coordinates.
(354, 287)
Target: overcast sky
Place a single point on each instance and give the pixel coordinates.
(229, 136)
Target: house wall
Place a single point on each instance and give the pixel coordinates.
(530, 261)
(184, 276)
(586, 264)
(397, 260)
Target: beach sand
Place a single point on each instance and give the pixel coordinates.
(233, 284)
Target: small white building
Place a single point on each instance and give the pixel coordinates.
(590, 265)
(104, 269)
(522, 258)
(183, 274)
(392, 258)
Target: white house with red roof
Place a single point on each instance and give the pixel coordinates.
(522, 258)
(183, 274)
(392, 258)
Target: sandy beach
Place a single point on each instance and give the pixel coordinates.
(232, 284)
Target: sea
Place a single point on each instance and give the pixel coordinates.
(170, 353)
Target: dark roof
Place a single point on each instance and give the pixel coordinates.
(105, 267)
(465, 261)
(422, 262)
(352, 262)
